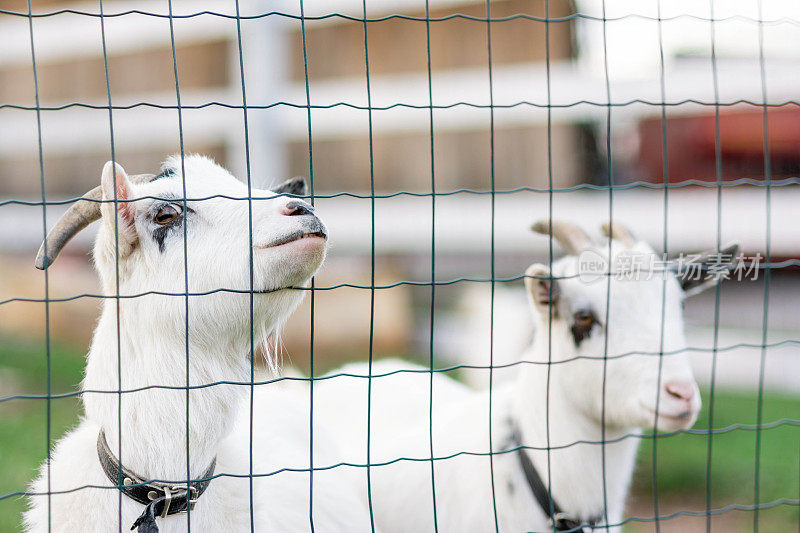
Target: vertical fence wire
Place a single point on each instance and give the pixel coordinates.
(116, 260)
(313, 282)
(492, 258)
(665, 247)
(610, 163)
(251, 273)
(371, 273)
(715, 341)
(184, 225)
(767, 271)
(433, 259)
(551, 282)
(48, 356)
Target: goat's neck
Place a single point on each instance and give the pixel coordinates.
(582, 481)
(152, 422)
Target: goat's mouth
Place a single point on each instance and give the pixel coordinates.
(677, 417)
(292, 237)
(683, 418)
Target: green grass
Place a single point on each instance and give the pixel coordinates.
(681, 459)
(23, 443)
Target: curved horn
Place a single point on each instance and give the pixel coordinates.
(78, 216)
(619, 232)
(571, 237)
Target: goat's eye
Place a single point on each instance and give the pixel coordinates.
(584, 319)
(582, 324)
(167, 214)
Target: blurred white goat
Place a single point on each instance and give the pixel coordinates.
(588, 409)
(141, 347)
(513, 330)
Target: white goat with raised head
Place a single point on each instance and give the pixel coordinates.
(608, 360)
(135, 389)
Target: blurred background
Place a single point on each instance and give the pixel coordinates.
(550, 147)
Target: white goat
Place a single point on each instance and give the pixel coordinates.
(140, 346)
(571, 406)
(513, 330)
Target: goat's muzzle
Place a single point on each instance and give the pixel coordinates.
(311, 227)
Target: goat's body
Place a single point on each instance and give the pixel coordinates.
(508, 334)
(402, 492)
(280, 501)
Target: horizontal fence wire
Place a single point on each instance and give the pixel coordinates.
(398, 16)
(401, 105)
(767, 183)
(786, 501)
(739, 182)
(611, 356)
(777, 265)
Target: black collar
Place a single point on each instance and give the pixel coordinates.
(160, 499)
(552, 510)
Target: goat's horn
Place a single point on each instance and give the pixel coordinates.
(571, 237)
(618, 232)
(78, 216)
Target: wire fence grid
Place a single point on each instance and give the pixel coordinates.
(493, 25)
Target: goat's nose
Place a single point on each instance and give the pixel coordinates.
(682, 390)
(295, 208)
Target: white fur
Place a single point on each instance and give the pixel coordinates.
(558, 407)
(152, 340)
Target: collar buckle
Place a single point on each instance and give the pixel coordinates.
(192, 498)
(179, 492)
(167, 501)
(564, 522)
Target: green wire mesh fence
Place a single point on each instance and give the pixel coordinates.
(598, 117)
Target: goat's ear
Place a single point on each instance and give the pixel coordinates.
(295, 186)
(123, 223)
(705, 270)
(542, 289)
